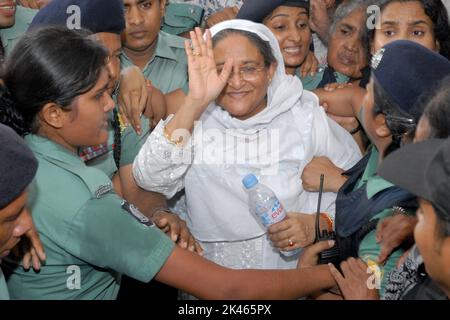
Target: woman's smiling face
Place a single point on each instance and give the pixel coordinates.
(290, 26)
(245, 94)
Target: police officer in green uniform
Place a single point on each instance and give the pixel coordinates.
(389, 114)
(106, 20)
(91, 235)
(73, 192)
(159, 55)
(11, 33)
(17, 170)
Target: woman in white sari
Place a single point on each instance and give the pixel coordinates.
(252, 118)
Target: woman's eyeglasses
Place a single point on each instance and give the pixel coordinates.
(246, 73)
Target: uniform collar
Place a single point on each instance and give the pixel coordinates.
(95, 180)
(374, 183)
(51, 150)
(24, 16)
(163, 48)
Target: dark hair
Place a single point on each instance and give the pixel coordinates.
(437, 110)
(437, 13)
(263, 46)
(399, 121)
(51, 64)
(437, 113)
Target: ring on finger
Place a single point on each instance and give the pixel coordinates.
(290, 243)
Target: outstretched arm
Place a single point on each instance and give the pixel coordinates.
(344, 102)
(207, 280)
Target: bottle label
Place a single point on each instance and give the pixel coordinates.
(274, 215)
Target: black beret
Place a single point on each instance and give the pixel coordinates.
(18, 165)
(406, 70)
(257, 10)
(95, 15)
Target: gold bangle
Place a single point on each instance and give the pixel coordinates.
(177, 142)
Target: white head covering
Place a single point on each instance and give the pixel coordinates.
(283, 92)
(275, 144)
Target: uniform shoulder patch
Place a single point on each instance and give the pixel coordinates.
(102, 190)
(136, 214)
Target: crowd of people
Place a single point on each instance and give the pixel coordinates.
(127, 126)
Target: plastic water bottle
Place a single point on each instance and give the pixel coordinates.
(265, 205)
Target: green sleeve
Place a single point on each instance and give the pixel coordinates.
(185, 88)
(369, 250)
(105, 235)
(132, 143)
(311, 82)
(181, 17)
(4, 293)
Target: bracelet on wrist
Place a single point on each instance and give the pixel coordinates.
(177, 142)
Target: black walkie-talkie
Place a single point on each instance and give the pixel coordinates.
(331, 254)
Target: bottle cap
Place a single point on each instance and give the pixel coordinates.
(250, 181)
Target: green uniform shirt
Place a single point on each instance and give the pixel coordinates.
(4, 293)
(10, 36)
(88, 238)
(369, 249)
(167, 69)
(182, 17)
(311, 82)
